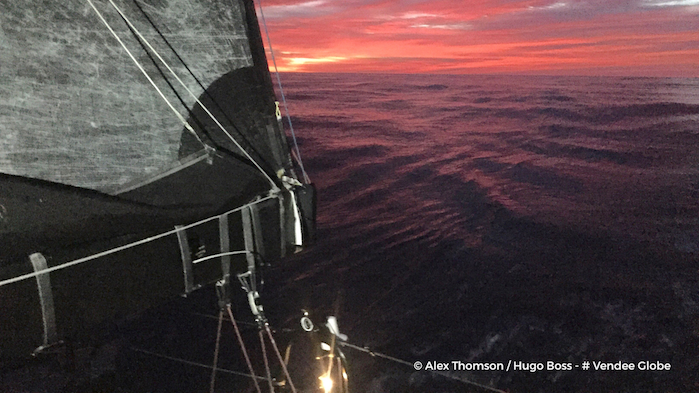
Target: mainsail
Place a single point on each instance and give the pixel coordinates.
(141, 156)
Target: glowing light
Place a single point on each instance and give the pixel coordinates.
(416, 15)
(453, 26)
(326, 383)
(674, 3)
(553, 6)
(308, 60)
(644, 37)
(308, 8)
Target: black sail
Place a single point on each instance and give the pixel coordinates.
(129, 184)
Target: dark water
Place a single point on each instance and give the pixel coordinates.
(480, 219)
(490, 218)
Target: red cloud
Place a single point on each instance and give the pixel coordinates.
(556, 37)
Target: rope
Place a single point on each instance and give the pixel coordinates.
(245, 153)
(164, 77)
(126, 246)
(281, 92)
(403, 362)
(242, 347)
(375, 354)
(251, 324)
(191, 363)
(222, 254)
(218, 345)
(264, 356)
(140, 67)
(279, 356)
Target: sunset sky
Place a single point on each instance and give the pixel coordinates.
(571, 37)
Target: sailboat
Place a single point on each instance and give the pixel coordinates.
(143, 156)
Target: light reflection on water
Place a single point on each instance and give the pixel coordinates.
(495, 217)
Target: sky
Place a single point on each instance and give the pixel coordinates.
(550, 37)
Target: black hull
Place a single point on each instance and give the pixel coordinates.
(65, 224)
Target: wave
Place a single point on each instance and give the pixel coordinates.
(430, 87)
(488, 165)
(318, 122)
(552, 149)
(557, 96)
(339, 158)
(610, 114)
(422, 225)
(527, 173)
(654, 110)
(585, 115)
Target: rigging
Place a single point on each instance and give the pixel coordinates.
(141, 39)
(281, 92)
(140, 67)
(193, 75)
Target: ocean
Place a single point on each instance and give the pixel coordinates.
(501, 219)
(532, 223)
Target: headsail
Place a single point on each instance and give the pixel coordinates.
(140, 155)
(76, 109)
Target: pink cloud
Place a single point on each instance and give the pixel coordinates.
(645, 37)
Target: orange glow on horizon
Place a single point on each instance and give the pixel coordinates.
(651, 38)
